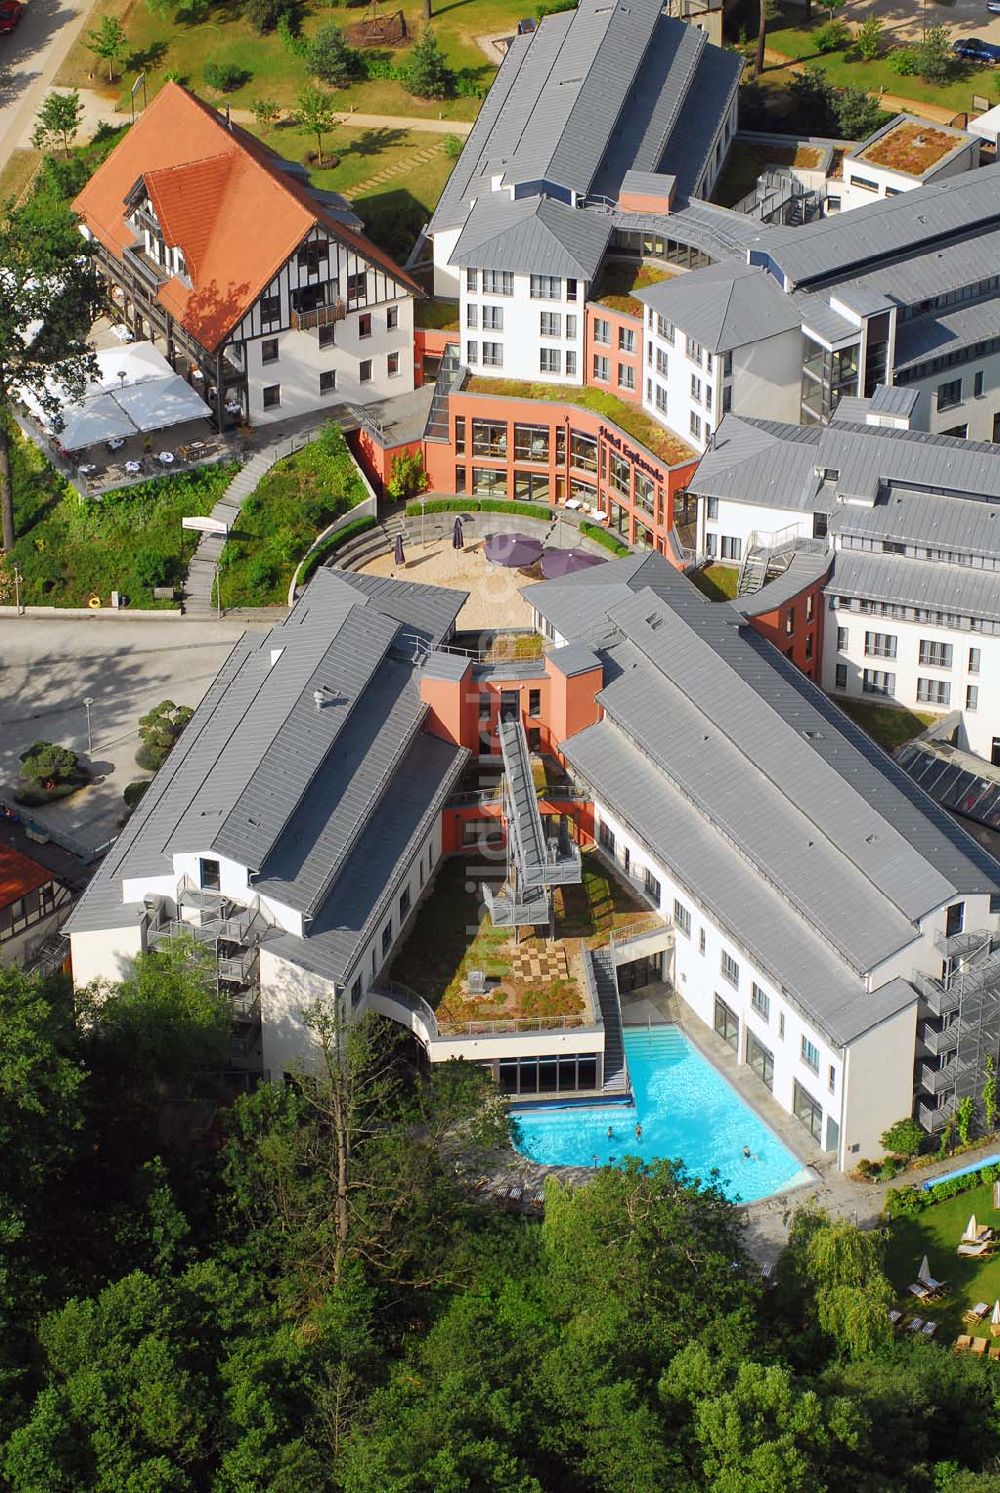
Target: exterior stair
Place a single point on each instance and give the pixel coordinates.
(602, 964)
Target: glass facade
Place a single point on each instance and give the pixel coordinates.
(826, 377)
(547, 1075)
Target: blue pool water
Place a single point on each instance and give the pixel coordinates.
(686, 1109)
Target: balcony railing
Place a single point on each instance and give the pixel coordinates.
(154, 274)
(514, 1024)
(319, 316)
(938, 1043)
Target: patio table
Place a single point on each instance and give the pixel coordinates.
(85, 468)
(573, 503)
(116, 443)
(132, 467)
(165, 458)
(122, 333)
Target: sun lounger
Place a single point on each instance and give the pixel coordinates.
(895, 1316)
(514, 1196)
(767, 1275)
(963, 1342)
(482, 1184)
(975, 1251)
(979, 1345)
(919, 1290)
(917, 1325)
(976, 1313)
(930, 1328)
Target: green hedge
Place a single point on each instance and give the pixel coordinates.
(594, 531)
(349, 531)
(904, 1202)
(480, 505)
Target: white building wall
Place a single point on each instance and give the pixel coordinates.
(287, 993)
(767, 378)
(698, 979)
(974, 411)
(520, 341)
(878, 1085)
(979, 725)
(880, 181)
(105, 954)
(446, 276)
(739, 520)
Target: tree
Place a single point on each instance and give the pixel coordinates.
(163, 10)
(49, 296)
(904, 1138)
(407, 476)
(45, 765)
(159, 728)
(331, 58)
(833, 1270)
(833, 37)
(429, 75)
(267, 113)
(59, 119)
(108, 42)
(815, 101)
(767, 11)
(935, 58)
(264, 15)
(857, 115)
(315, 112)
(869, 38)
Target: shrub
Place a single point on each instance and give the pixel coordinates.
(593, 531)
(407, 476)
(158, 730)
(152, 568)
(267, 113)
(264, 15)
(225, 76)
(47, 766)
(331, 58)
(134, 791)
(453, 147)
(865, 1168)
(856, 114)
(290, 35)
(905, 61)
(832, 37)
(905, 1138)
(963, 1119)
(905, 1202)
(936, 62)
(869, 39)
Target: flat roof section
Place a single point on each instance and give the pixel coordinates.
(911, 146)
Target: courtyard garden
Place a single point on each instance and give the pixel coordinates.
(935, 1232)
(619, 280)
(717, 582)
(70, 548)
(532, 977)
(889, 725)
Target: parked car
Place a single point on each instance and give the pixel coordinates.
(974, 49)
(10, 14)
(993, 6)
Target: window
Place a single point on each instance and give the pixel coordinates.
(601, 369)
(933, 691)
(701, 940)
(356, 993)
(693, 350)
(727, 399)
(994, 902)
(489, 438)
(546, 288)
(270, 310)
(626, 376)
(805, 1108)
(810, 1054)
(878, 682)
(327, 335)
(602, 331)
(498, 282)
(949, 394)
(492, 354)
(570, 363)
(760, 1001)
(661, 399)
(712, 508)
(840, 676)
(696, 387)
(864, 183)
(732, 547)
(977, 384)
(404, 903)
(606, 838)
(662, 363)
(571, 326)
(357, 286)
(386, 939)
(534, 702)
(760, 1061)
(954, 919)
(727, 1024)
(880, 645)
(271, 396)
(209, 875)
(694, 425)
(620, 475)
(312, 256)
(790, 622)
(493, 318)
(472, 315)
(571, 290)
(831, 1080)
(972, 697)
(935, 655)
(392, 318)
(531, 442)
(460, 435)
(682, 918)
(975, 659)
(269, 350)
(665, 329)
(810, 607)
(549, 360)
(472, 352)
(365, 370)
(729, 969)
(652, 886)
(550, 323)
(842, 639)
(626, 340)
(472, 280)
(328, 381)
(809, 645)
(781, 1025)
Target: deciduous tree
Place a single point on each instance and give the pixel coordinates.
(59, 120)
(316, 113)
(108, 42)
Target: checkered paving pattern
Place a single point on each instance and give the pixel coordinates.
(538, 961)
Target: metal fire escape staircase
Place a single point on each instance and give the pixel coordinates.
(231, 932)
(960, 1026)
(769, 555)
(536, 862)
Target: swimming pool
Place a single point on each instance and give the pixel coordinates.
(686, 1109)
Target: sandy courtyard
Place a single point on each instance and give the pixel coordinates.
(493, 589)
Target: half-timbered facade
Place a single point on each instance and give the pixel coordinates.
(269, 294)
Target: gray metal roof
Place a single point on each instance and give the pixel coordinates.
(820, 318)
(804, 570)
(649, 183)
(688, 148)
(966, 525)
(923, 271)
(578, 606)
(833, 247)
(535, 235)
(936, 336)
(723, 306)
(446, 666)
(888, 399)
(953, 589)
(574, 658)
(524, 823)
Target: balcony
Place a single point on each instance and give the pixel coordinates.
(936, 1043)
(147, 268)
(934, 1117)
(936, 1080)
(319, 316)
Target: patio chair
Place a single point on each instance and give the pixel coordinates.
(918, 1289)
(979, 1346)
(994, 1351)
(963, 1343)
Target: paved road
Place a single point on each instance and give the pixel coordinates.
(904, 21)
(31, 56)
(48, 667)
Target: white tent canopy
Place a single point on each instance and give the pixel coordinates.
(136, 391)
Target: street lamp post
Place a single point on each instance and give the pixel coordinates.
(88, 700)
(423, 538)
(17, 590)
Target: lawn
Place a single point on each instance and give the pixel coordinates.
(452, 934)
(71, 548)
(749, 159)
(17, 173)
(183, 43)
(935, 1233)
(845, 69)
(717, 582)
(889, 725)
(628, 417)
(619, 280)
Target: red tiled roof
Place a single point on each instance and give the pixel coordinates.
(19, 875)
(221, 199)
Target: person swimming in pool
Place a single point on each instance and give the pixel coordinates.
(746, 1153)
(611, 1132)
(638, 1131)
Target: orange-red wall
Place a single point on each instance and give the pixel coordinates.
(796, 628)
(619, 360)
